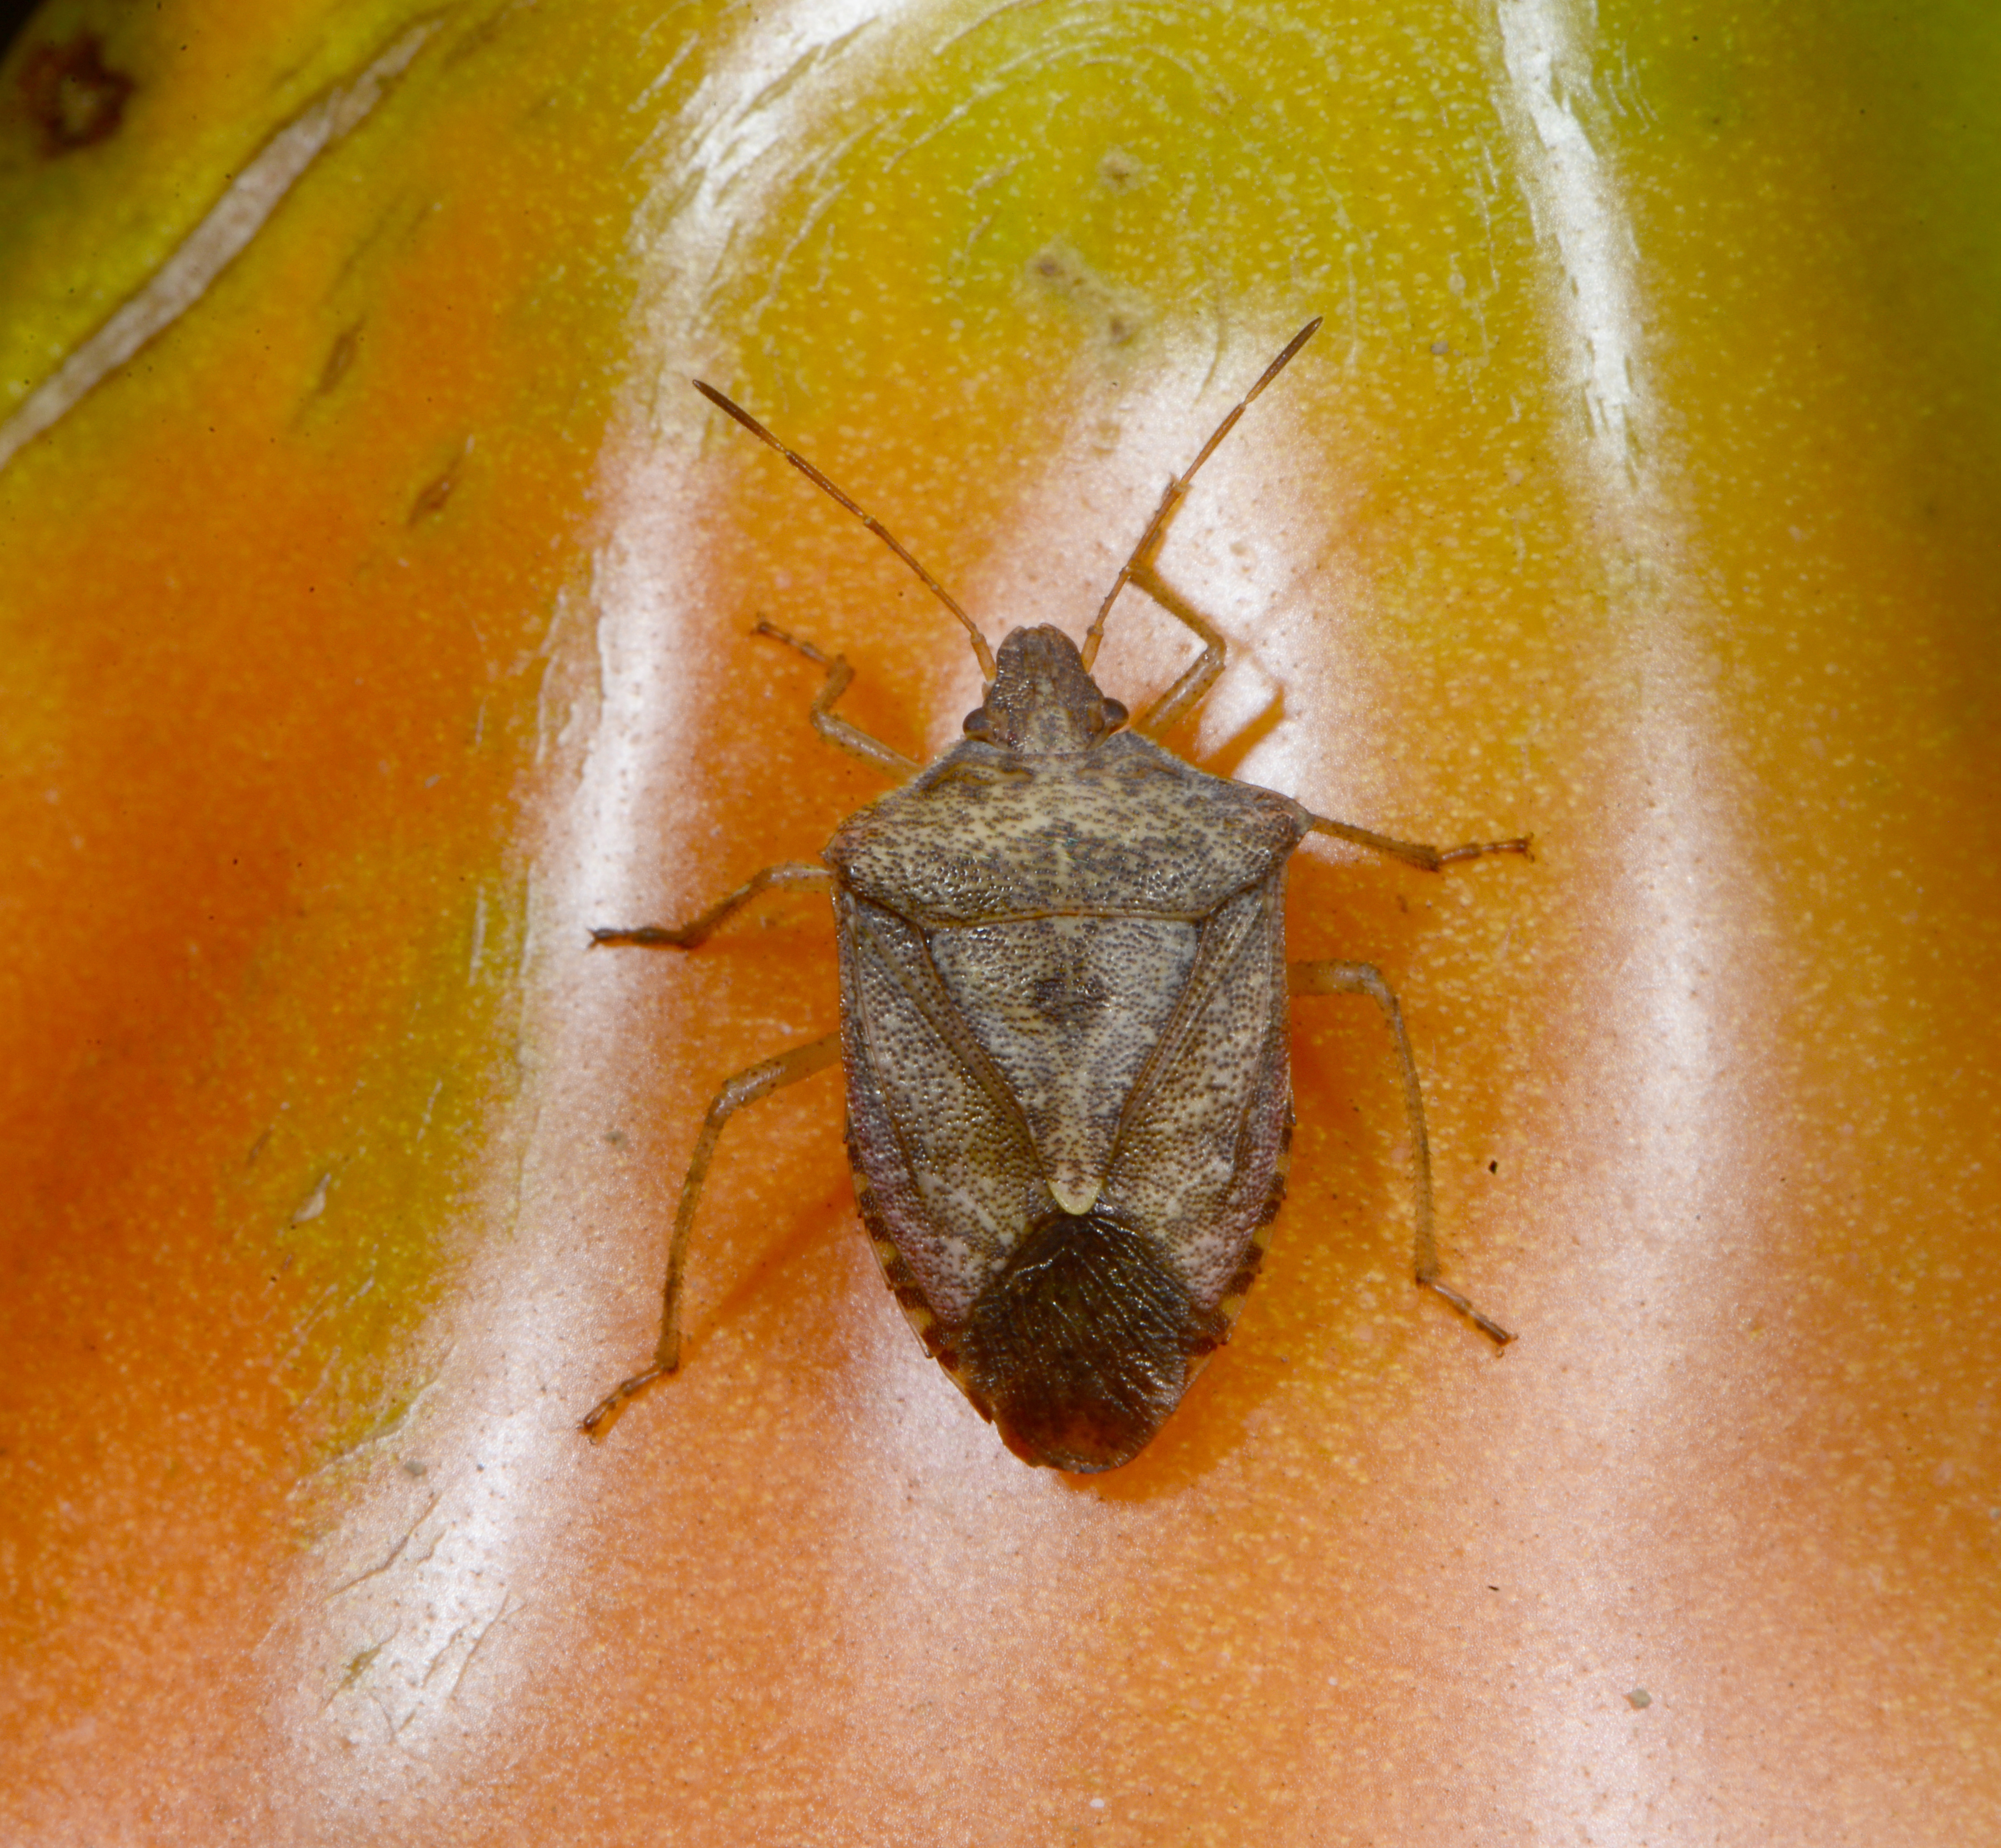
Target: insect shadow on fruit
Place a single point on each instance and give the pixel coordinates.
(1065, 1009)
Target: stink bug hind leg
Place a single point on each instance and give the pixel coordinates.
(1471, 1311)
(597, 1423)
(746, 1087)
(1363, 978)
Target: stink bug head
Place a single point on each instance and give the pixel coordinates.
(1042, 701)
(1064, 1006)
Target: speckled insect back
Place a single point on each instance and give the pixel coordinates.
(1064, 999)
(1064, 988)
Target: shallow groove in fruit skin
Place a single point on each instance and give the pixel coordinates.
(227, 230)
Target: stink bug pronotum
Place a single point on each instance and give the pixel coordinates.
(1063, 997)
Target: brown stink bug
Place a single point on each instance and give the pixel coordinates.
(1063, 993)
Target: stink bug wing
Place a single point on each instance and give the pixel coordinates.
(1070, 1010)
(1201, 1165)
(947, 1171)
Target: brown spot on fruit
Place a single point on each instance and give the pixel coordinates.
(339, 356)
(1120, 171)
(431, 498)
(73, 96)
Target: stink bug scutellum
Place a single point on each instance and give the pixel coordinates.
(1064, 995)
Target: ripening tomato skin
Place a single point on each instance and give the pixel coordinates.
(380, 624)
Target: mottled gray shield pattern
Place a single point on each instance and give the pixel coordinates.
(1064, 1024)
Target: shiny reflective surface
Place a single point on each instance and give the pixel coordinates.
(1634, 495)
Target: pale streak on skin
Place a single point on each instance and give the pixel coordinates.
(1676, 1013)
(1581, 214)
(207, 251)
(1597, 303)
(496, 1432)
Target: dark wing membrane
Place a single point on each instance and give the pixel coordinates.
(1082, 1349)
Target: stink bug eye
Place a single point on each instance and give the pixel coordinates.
(1064, 1019)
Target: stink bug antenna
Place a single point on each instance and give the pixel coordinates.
(979, 648)
(1176, 492)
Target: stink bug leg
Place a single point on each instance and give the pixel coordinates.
(1415, 853)
(1362, 978)
(746, 1087)
(759, 1080)
(837, 731)
(1064, 1025)
(699, 930)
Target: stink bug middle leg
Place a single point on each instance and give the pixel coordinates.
(699, 929)
(759, 1080)
(1065, 1020)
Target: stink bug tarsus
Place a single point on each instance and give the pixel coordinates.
(1064, 1025)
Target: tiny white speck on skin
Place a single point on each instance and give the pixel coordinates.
(1098, 1803)
(315, 1203)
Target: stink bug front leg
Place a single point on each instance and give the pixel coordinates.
(1139, 569)
(1203, 672)
(1362, 978)
(746, 1087)
(838, 732)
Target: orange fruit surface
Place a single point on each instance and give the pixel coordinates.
(375, 613)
